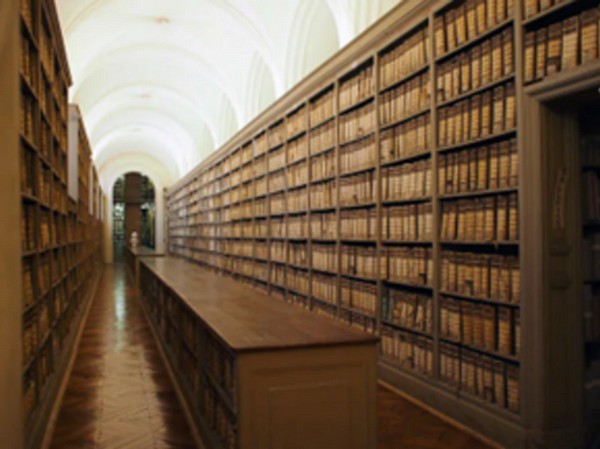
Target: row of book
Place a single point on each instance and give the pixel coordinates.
(297, 149)
(495, 381)
(27, 63)
(297, 200)
(323, 226)
(408, 99)
(358, 189)
(488, 219)
(323, 138)
(534, 7)
(360, 261)
(357, 124)
(297, 175)
(299, 280)
(407, 350)
(358, 224)
(406, 140)
(359, 296)
(28, 169)
(407, 265)
(357, 88)
(277, 160)
(30, 339)
(324, 288)
(480, 116)
(485, 63)
(28, 227)
(408, 309)
(494, 329)
(468, 20)
(28, 275)
(407, 181)
(358, 155)
(562, 45)
(276, 135)
(491, 167)
(407, 56)
(323, 166)
(487, 276)
(277, 181)
(26, 117)
(413, 222)
(323, 195)
(297, 122)
(323, 108)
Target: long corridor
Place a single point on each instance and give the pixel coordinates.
(120, 396)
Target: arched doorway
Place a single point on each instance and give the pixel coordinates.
(134, 210)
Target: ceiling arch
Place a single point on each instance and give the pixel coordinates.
(170, 81)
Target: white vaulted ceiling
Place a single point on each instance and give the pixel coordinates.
(170, 81)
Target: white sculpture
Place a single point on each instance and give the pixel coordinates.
(134, 240)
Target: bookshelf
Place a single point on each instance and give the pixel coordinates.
(230, 370)
(60, 240)
(409, 220)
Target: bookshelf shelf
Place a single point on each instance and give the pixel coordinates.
(483, 140)
(478, 39)
(404, 119)
(479, 90)
(549, 13)
(481, 193)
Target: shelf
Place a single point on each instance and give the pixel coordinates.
(356, 105)
(296, 136)
(386, 241)
(508, 358)
(367, 205)
(356, 139)
(358, 312)
(322, 180)
(473, 42)
(322, 123)
(354, 240)
(495, 244)
(406, 329)
(297, 161)
(480, 193)
(555, 10)
(475, 299)
(403, 120)
(408, 285)
(480, 141)
(406, 159)
(360, 278)
(479, 90)
(357, 171)
(400, 202)
(323, 151)
(421, 70)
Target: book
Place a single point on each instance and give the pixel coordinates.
(589, 35)
(530, 57)
(570, 43)
(553, 62)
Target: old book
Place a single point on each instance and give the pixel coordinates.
(501, 13)
(486, 114)
(486, 62)
(513, 218)
(504, 331)
(463, 160)
(502, 218)
(589, 35)
(513, 390)
(541, 41)
(450, 19)
(499, 383)
(489, 328)
(476, 67)
(508, 53)
(515, 280)
(570, 43)
(465, 72)
(499, 114)
(510, 107)
(461, 24)
(475, 122)
(530, 57)
(465, 119)
(531, 8)
(514, 164)
(482, 168)
(504, 165)
(440, 36)
(497, 55)
(490, 219)
(554, 49)
(517, 327)
(481, 15)
(491, 13)
(471, 19)
(473, 170)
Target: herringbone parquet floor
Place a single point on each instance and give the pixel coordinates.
(119, 395)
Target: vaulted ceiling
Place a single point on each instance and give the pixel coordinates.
(163, 83)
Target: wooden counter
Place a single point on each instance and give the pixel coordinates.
(132, 256)
(257, 372)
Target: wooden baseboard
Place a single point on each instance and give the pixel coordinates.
(187, 411)
(51, 424)
(441, 415)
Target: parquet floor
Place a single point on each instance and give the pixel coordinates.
(119, 395)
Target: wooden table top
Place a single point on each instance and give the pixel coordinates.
(246, 319)
(144, 251)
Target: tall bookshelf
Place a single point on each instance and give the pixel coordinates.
(410, 221)
(60, 242)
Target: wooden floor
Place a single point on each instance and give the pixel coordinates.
(119, 395)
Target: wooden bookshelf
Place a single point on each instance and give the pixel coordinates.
(223, 357)
(420, 182)
(60, 240)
